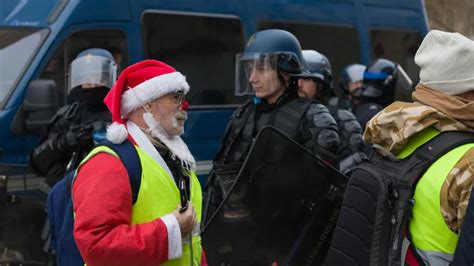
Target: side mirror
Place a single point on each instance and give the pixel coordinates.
(39, 106)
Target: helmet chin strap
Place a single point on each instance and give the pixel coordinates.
(175, 144)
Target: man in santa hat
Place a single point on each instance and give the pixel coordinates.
(148, 107)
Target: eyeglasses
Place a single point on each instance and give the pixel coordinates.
(172, 98)
(177, 98)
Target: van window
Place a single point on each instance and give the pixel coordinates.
(400, 47)
(339, 43)
(397, 46)
(18, 46)
(203, 48)
(57, 68)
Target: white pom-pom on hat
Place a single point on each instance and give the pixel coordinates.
(117, 133)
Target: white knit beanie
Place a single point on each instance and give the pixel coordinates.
(446, 62)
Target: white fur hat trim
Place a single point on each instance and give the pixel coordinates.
(152, 89)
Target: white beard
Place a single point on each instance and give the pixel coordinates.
(175, 144)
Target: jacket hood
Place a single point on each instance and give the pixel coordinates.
(391, 128)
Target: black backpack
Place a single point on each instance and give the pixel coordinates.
(378, 203)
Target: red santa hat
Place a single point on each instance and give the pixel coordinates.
(136, 86)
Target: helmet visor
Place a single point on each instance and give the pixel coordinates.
(93, 71)
(404, 84)
(255, 73)
(355, 73)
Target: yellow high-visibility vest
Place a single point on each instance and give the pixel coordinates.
(158, 196)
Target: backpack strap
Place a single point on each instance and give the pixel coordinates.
(441, 144)
(448, 140)
(128, 155)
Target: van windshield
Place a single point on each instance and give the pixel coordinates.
(17, 48)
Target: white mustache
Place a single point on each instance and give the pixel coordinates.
(181, 115)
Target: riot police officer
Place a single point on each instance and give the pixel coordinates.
(319, 70)
(266, 70)
(316, 83)
(69, 133)
(349, 88)
(382, 79)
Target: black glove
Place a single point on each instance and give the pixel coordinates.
(77, 136)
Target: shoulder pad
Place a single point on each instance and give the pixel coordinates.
(345, 115)
(348, 122)
(319, 116)
(317, 108)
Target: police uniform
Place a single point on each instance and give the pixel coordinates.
(50, 158)
(308, 122)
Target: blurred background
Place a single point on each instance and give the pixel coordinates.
(451, 15)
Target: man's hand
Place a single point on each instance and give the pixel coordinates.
(186, 219)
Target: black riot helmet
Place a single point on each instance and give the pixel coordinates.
(381, 79)
(319, 69)
(267, 49)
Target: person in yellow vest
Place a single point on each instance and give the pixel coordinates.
(148, 107)
(443, 101)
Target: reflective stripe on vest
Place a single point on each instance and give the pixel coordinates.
(159, 196)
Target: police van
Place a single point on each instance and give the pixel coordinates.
(200, 38)
(39, 39)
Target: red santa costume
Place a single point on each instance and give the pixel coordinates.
(101, 192)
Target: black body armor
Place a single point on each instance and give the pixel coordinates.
(308, 122)
(51, 157)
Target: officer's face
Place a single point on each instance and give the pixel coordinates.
(86, 86)
(307, 88)
(355, 88)
(264, 81)
(168, 112)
